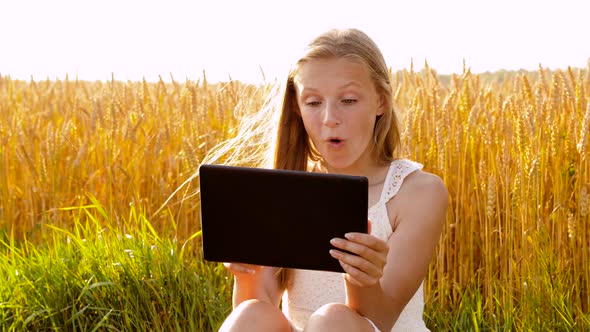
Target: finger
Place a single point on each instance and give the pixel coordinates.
(357, 277)
(239, 268)
(377, 257)
(370, 268)
(368, 240)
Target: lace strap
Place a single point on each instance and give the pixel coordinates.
(398, 170)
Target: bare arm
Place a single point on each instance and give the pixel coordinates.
(255, 282)
(419, 209)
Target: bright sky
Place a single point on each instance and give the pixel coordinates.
(135, 39)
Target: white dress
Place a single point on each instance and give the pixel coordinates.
(308, 290)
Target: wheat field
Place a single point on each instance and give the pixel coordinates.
(512, 148)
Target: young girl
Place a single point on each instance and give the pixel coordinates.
(337, 116)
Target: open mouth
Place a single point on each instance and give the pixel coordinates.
(335, 141)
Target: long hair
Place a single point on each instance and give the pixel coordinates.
(294, 149)
(275, 137)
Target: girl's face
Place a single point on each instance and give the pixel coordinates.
(339, 105)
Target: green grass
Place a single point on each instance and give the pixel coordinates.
(96, 279)
(129, 278)
(546, 303)
(471, 314)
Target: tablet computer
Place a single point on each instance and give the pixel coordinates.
(278, 218)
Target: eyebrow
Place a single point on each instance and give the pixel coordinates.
(349, 84)
(344, 86)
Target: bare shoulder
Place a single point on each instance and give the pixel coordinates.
(420, 185)
(423, 196)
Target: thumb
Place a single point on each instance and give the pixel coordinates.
(369, 226)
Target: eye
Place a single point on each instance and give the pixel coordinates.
(348, 101)
(312, 103)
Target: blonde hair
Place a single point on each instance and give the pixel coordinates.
(294, 149)
(274, 137)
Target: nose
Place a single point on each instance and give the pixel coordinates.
(331, 116)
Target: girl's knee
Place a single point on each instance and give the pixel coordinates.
(253, 307)
(334, 310)
(336, 317)
(256, 315)
(332, 315)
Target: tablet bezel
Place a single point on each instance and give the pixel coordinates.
(280, 218)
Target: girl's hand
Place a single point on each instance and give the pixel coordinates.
(242, 269)
(366, 269)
